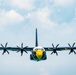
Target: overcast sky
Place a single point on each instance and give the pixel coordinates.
(56, 23)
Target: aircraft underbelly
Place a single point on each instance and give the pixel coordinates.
(35, 58)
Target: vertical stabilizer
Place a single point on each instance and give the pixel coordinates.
(36, 42)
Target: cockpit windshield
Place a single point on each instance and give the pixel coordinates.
(38, 48)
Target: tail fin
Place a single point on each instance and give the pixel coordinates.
(36, 42)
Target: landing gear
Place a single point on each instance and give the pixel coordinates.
(44, 56)
(31, 58)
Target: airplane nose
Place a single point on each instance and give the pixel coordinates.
(39, 53)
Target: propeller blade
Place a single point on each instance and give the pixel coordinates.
(74, 52)
(25, 51)
(54, 49)
(52, 53)
(73, 44)
(57, 45)
(22, 49)
(6, 45)
(4, 49)
(69, 45)
(52, 45)
(21, 52)
(7, 52)
(70, 52)
(2, 46)
(72, 48)
(18, 51)
(18, 47)
(3, 52)
(22, 45)
(56, 53)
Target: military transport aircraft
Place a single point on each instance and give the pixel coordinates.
(38, 53)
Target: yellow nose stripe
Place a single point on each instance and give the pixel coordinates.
(39, 53)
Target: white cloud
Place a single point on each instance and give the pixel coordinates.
(41, 17)
(22, 4)
(64, 3)
(12, 15)
(9, 17)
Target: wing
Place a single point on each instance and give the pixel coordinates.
(55, 49)
(17, 49)
(59, 48)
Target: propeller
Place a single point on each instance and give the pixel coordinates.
(4, 49)
(55, 49)
(72, 48)
(22, 49)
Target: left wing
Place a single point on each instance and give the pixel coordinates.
(55, 49)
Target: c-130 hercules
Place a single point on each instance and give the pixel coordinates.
(38, 53)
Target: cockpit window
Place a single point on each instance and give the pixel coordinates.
(39, 49)
(36, 49)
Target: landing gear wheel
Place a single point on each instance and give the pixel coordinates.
(45, 58)
(31, 58)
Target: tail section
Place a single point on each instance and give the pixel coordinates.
(36, 42)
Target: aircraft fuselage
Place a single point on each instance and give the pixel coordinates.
(38, 54)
